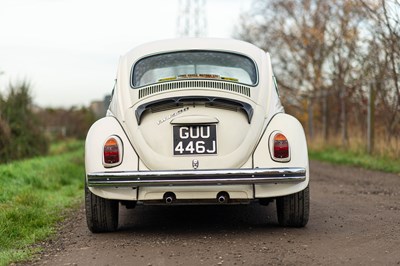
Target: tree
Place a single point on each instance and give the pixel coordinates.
(327, 54)
(384, 55)
(346, 60)
(300, 35)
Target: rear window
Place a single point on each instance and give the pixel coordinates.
(194, 65)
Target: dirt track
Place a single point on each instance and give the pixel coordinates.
(355, 220)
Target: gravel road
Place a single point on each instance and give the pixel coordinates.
(355, 220)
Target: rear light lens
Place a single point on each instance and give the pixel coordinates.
(280, 147)
(112, 152)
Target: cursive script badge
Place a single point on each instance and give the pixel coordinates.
(172, 115)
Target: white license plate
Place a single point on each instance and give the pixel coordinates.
(199, 139)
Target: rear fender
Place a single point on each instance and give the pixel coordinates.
(98, 133)
(293, 130)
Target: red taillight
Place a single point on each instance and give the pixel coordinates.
(111, 152)
(281, 147)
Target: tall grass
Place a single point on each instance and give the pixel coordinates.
(385, 156)
(34, 194)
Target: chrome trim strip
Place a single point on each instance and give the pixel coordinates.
(196, 177)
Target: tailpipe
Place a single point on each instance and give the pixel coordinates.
(222, 197)
(169, 197)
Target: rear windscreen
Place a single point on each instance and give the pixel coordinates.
(194, 65)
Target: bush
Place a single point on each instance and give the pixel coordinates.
(23, 134)
(5, 139)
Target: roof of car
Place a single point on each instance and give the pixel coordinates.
(180, 44)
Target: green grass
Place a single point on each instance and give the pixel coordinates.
(353, 158)
(34, 195)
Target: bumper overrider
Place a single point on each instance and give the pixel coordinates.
(196, 177)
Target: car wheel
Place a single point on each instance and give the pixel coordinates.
(293, 210)
(101, 214)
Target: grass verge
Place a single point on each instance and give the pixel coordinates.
(356, 158)
(34, 194)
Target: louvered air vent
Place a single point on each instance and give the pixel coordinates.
(194, 84)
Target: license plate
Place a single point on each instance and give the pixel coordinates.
(199, 139)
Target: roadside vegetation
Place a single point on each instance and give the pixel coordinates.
(384, 158)
(34, 195)
(41, 169)
(21, 133)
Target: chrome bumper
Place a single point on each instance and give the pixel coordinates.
(196, 177)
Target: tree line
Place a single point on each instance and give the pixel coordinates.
(27, 130)
(337, 63)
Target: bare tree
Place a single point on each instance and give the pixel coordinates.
(334, 57)
(384, 55)
(314, 44)
(347, 59)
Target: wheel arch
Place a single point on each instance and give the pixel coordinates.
(294, 132)
(98, 133)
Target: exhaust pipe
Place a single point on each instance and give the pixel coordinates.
(169, 197)
(169, 200)
(222, 197)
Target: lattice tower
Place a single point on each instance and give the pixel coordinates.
(192, 20)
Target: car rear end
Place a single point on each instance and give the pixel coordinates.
(198, 121)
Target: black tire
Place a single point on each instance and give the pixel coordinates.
(101, 214)
(293, 210)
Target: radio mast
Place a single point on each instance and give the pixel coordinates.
(191, 20)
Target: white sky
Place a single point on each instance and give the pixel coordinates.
(69, 49)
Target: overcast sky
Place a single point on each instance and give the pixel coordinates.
(69, 49)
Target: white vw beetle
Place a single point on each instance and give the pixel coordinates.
(195, 121)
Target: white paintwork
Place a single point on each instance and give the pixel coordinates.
(148, 146)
